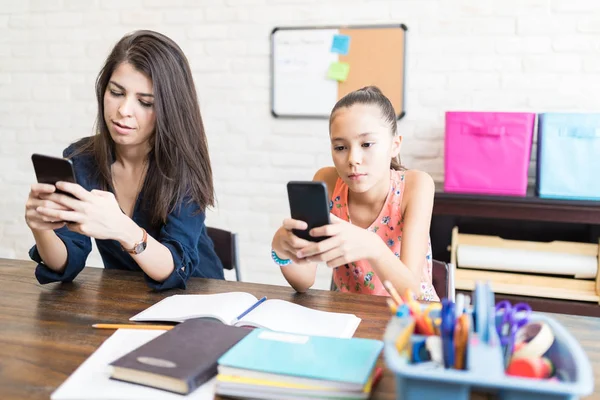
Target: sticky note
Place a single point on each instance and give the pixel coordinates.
(340, 44)
(338, 71)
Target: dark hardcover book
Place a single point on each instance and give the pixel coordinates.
(181, 359)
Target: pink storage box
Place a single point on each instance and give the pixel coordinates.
(488, 152)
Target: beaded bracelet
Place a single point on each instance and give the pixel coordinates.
(279, 261)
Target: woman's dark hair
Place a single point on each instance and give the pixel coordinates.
(372, 95)
(178, 163)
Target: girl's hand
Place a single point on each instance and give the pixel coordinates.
(95, 214)
(347, 243)
(286, 244)
(36, 200)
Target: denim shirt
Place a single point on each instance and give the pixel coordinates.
(184, 234)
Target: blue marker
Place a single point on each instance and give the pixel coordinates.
(250, 309)
(447, 332)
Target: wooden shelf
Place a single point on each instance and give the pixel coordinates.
(535, 286)
(528, 208)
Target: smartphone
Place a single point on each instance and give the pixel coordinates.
(50, 170)
(309, 203)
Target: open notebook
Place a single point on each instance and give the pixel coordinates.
(276, 315)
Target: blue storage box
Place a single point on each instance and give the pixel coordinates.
(485, 371)
(568, 156)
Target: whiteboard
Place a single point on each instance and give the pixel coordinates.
(300, 60)
(303, 57)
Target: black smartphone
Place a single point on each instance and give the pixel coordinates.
(309, 203)
(50, 170)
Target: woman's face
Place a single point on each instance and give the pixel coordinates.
(129, 106)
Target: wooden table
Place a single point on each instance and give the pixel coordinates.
(46, 333)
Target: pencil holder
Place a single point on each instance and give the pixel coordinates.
(485, 371)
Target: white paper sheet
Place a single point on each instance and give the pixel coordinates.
(91, 381)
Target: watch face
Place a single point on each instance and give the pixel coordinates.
(140, 247)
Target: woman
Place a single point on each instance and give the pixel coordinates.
(143, 181)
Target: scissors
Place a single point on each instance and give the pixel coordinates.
(514, 317)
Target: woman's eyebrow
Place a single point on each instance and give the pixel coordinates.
(123, 89)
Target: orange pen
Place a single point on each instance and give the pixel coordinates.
(429, 320)
(415, 310)
(461, 336)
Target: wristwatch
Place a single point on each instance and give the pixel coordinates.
(139, 246)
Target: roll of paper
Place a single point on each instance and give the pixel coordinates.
(515, 260)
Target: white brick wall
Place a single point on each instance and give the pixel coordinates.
(531, 55)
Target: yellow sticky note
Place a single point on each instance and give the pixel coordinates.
(338, 71)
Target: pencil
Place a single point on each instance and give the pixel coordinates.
(392, 305)
(132, 326)
(377, 377)
(392, 291)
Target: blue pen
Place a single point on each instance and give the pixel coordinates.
(242, 315)
(447, 332)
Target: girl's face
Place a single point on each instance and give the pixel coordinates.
(129, 106)
(362, 146)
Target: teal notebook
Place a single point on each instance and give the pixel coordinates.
(311, 357)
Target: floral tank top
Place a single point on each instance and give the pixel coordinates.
(359, 277)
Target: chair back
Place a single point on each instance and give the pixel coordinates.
(226, 248)
(442, 275)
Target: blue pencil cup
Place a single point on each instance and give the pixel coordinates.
(485, 371)
(568, 160)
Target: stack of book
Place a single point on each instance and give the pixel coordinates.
(274, 365)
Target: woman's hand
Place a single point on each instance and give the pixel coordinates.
(286, 244)
(95, 214)
(37, 200)
(346, 243)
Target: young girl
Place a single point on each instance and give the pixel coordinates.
(380, 212)
(144, 180)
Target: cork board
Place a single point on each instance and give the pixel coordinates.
(302, 85)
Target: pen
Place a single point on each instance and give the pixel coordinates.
(430, 320)
(447, 332)
(408, 296)
(460, 304)
(422, 326)
(461, 334)
(250, 309)
(132, 326)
